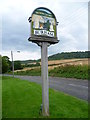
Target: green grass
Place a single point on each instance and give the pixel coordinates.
(68, 71)
(32, 72)
(22, 99)
(0, 97)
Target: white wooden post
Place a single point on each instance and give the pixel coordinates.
(44, 74)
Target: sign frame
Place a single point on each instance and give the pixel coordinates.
(43, 38)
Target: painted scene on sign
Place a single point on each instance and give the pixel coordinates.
(43, 23)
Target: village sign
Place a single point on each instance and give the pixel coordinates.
(43, 31)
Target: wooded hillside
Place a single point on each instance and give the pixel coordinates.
(70, 55)
(63, 55)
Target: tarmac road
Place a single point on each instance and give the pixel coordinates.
(74, 87)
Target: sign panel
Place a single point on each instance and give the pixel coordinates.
(43, 23)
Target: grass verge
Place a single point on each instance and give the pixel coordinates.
(68, 71)
(22, 99)
(0, 97)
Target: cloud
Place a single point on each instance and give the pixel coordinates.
(23, 55)
(72, 28)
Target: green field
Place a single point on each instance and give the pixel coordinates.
(22, 99)
(68, 71)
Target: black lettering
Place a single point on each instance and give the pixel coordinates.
(36, 32)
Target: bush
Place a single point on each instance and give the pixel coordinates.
(71, 71)
(17, 65)
(5, 65)
(32, 65)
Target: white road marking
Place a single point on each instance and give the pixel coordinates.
(79, 86)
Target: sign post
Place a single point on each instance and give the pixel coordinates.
(43, 32)
(44, 73)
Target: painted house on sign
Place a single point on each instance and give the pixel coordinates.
(43, 24)
(40, 22)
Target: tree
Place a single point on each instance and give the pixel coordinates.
(5, 65)
(17, 65)
(7, 60)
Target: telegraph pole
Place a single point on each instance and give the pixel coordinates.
(12, 63)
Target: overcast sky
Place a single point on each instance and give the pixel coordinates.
(14, 27)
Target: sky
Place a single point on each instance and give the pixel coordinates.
(72, 30)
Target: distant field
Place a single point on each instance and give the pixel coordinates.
(70, 68)
(69, 61)
(68, 71)
(56, 63)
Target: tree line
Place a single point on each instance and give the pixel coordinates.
(70, 55)
(6, 64)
